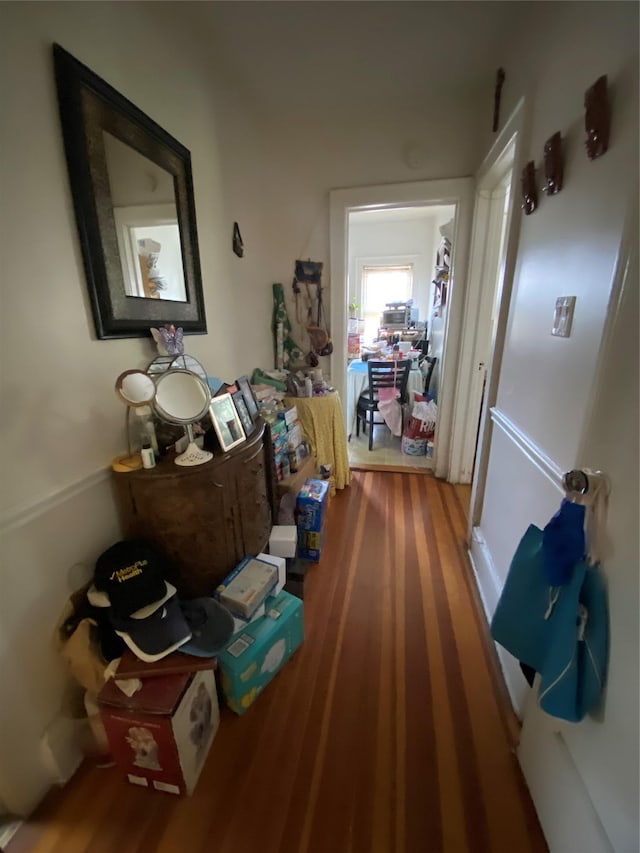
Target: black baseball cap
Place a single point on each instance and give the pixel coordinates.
(156, 636)
(132, 574)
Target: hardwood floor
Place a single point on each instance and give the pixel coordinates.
(387, 732)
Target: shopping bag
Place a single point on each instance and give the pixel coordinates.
(559, 631)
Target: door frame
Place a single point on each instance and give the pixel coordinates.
(509, 144)
(456, 191)
(486, 264)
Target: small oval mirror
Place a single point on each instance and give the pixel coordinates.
(135, 388)
(181, 397)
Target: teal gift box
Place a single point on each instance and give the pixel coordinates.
(253, 656)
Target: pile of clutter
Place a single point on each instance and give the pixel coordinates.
(151, 662)
(290, 447)
(419, 434)
(148, 659)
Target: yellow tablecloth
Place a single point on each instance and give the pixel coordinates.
(323, 424)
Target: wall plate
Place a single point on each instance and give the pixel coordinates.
(563, 316)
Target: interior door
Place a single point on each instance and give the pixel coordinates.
(592, 768)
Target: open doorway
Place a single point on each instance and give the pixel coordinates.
(397, 283)
(456, 194)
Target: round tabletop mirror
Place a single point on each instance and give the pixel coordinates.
(135, 388)
(183, 398)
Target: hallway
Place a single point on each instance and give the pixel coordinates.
(386, 732)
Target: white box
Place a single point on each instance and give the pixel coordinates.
(246, 587)
(281, 565)
(283, 540)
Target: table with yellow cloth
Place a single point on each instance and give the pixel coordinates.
(323, 423)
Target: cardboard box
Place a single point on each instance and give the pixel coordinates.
(246, 587)
(240, 624)
(281, 564)
(311, 505)
(294, 437)
(310, 543)
(288, 415)
(160, 736)
(283, 540)
(296, 574)
(253, 658)
(278, 428)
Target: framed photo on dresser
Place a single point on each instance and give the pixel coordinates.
(226, 421)
(249, 397)
(243, 412)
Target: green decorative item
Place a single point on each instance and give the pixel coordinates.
(291, 352)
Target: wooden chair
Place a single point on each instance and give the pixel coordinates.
(430, 360)
(382, 374)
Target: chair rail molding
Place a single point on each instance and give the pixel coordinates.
(535, 454)
(20, 515)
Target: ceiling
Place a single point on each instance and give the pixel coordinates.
(315, 55)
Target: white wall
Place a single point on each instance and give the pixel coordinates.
(569, 246)
(62, 423)
(349, 149)
(413, 241)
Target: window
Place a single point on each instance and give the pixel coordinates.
(382, 284)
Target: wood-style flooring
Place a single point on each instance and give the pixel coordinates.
(387, 732)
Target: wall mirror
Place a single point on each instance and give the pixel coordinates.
(133, 196)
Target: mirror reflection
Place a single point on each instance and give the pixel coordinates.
(135, 387)
(146, 219)
(181, 396)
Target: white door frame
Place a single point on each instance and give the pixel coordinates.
(456, 191)
(509, 145)
(485, 270)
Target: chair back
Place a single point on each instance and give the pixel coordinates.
(430, 360)
(388, 374)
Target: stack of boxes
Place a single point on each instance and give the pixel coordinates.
(269, 628)
(280, 448)
(297, 447)
(290, 448)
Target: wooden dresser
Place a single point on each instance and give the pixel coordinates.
(205, 518)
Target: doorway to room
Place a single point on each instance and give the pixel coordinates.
(397, 283)
(440, 291)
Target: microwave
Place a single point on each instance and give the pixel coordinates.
(397, 318)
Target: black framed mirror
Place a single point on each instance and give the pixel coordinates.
(133, 196)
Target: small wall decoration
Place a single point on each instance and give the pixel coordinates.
(553, 167)
(529, 189)
(597, 118)
(238, 245)
(497, 95)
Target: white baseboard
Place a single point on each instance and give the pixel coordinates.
(485, 572)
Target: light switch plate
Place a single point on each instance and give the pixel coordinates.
(563, 316)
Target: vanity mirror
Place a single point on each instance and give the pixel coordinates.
(133, 196)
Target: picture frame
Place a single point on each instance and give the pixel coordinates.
(243, 412)
(249, 397)
(226, 422)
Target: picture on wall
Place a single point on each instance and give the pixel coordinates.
(226, 421)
